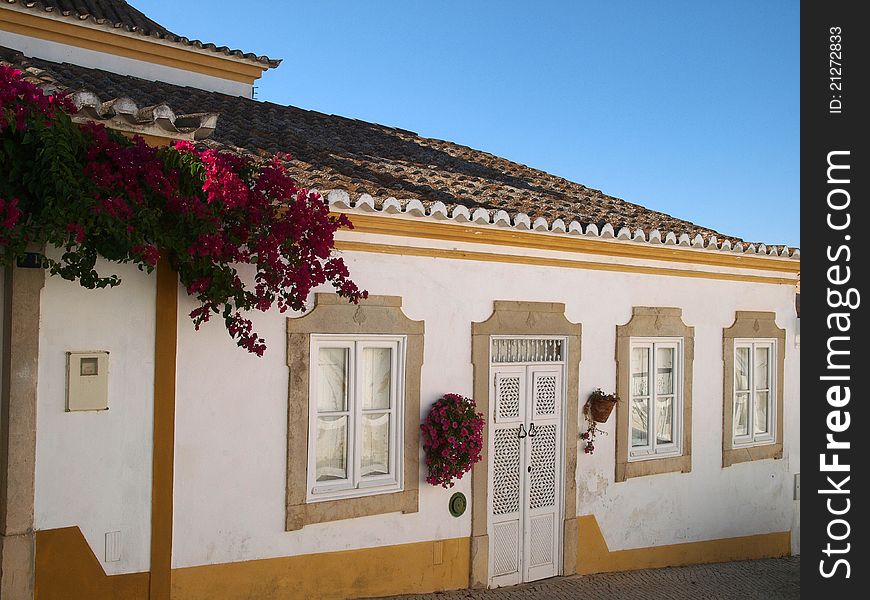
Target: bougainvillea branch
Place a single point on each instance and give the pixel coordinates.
(452, 439)
(92, 192)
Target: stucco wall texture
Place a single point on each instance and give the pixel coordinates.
(93, 469)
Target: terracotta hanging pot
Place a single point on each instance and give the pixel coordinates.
(601, 405)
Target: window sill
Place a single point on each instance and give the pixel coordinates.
(652, 456)
(348, 493)
(654, 465)
(300, 515)
(767, 441)
(762, 451)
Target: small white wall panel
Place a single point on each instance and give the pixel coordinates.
(87, 376)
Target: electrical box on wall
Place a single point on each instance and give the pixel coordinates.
(87, 377)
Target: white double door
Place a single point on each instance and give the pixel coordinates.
(525, 495)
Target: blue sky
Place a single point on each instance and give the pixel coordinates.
(690, 108)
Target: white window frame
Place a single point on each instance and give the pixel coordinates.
(653, 449)
(752, 438)
(355, 485)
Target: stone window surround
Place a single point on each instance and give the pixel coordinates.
(524, 318)
(652, 322)
(376, 315)
(751, 325)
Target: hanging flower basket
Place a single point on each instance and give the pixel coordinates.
(600, 405)
(452, 439)
(597, 410)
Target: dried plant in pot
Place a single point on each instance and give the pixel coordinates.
(600, 405)
(597, 410)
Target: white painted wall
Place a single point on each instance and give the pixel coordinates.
(231, 414)
(63, 53)
(93, 469)
(796, 455)
(710, 502)
(231, 448)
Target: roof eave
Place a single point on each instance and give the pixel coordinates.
(262, 62)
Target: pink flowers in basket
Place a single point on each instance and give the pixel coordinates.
(452, 439)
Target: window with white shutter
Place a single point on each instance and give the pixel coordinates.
(355, 416)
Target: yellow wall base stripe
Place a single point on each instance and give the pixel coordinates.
(593, 556)
(383, 571)
(66, 569)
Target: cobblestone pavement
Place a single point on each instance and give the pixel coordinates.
(770, 579)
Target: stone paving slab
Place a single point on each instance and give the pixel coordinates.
(769, 579)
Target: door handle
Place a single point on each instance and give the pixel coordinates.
(532, 431)
(522, 433)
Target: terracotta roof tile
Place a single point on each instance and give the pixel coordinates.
(118, 14)
(332, 152)
(115, 12)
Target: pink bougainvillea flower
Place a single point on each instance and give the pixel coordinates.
(207, 211)
(78, 232)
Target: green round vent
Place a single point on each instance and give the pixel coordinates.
(457, 504)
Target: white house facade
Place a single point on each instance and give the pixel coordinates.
(212, 473)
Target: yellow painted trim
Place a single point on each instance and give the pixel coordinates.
(163, 451)
(564, 243)
(152, 140)
(66, 569)
(354, 246)
(129, 46)
(383, 571)
(593, 555)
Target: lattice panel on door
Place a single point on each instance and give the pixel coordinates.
(508, 397)
(526, 350)
(506, 472)
(545, 395)
(505, 548)
(541, 540)
(542, 492)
